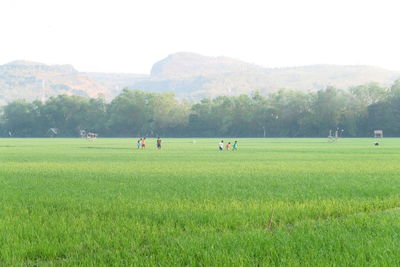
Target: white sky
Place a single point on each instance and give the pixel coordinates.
(129, 36)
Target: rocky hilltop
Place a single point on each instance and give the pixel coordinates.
(188, 65)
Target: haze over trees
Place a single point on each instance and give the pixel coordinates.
(285, 113)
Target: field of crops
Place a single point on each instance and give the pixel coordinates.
(282, 202)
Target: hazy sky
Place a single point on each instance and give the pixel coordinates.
(129, 36)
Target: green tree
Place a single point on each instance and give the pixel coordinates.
(19, 119)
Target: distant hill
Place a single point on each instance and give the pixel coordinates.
(115, 82)
(188, 75)
(31, 80)
(196, 76)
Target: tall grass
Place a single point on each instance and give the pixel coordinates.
(283, 202)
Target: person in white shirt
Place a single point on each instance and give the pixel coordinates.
(221, 145)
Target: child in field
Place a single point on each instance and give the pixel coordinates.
(221, 145)
(228, 146)
(138, 143)
(234, 146)
(158, 143)
(144, 142)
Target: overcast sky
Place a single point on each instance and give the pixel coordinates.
(129, 36)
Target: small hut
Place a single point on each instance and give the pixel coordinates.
(378, 134)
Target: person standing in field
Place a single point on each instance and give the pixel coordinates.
(228, 146)
(138, 143)
(235, 145)
(158, 143)
(144, 142)
(221, 145)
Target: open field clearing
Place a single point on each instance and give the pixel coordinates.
(282, 202)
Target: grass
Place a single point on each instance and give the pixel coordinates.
(275, 202)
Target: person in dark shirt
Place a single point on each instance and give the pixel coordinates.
(158, 143)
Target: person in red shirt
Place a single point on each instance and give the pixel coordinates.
(144, 142)
(228, 146)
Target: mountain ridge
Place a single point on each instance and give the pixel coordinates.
(238, 77)
(188, 75)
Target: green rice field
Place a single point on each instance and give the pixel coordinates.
(274, 202)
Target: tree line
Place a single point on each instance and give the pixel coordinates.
(285, 113)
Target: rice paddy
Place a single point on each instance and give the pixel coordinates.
(274, 202)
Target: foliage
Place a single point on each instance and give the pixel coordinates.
(285, 113)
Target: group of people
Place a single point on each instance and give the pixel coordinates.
(141, 143)
(228, 146)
